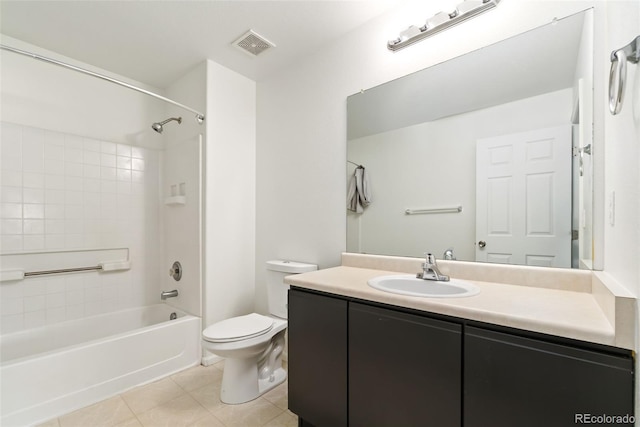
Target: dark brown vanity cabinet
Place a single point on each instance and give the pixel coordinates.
(318, 359)
(510, 380)
(357, 364)
(404, 370)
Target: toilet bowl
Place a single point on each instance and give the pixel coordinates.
(253, 344)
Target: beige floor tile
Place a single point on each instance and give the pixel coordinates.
(197, 377)
(251, 414)
(208, 421)
(208, 396)
(286, 419)
(133, 422)
(180, 412)
(146, 397)
(279, 396)
(107, 413)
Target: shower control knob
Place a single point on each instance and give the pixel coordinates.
(176, 271)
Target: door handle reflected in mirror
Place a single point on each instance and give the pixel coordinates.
(482, 244)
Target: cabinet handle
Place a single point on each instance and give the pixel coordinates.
(482, 244)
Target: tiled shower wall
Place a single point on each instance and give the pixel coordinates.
(61, 191)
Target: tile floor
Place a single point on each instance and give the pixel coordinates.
(188, 398)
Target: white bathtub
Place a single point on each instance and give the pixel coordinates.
(46, 372)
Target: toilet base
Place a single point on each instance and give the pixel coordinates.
(240, 383)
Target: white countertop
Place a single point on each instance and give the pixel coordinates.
(560, 312)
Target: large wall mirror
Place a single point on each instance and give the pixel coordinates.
(486, 156)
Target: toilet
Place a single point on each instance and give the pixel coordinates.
(252, 344)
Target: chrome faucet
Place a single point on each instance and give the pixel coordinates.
(168, 294)
(430, 270)
(448, 254)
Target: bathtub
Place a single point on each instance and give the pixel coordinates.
(49, 371)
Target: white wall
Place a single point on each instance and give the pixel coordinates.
(230, 153)
(622, 154)
(302, 121)
(79, 170)
(436, 175)
(622, 157)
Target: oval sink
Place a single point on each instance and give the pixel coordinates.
(410, 285)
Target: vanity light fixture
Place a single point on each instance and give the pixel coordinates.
(440, 22)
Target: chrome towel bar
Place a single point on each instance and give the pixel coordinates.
(18, 274)
(618, 73)
(60, 271)
(454, 209)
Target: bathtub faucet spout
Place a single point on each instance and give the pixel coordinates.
(169, 294)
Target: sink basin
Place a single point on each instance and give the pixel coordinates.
(410, 285)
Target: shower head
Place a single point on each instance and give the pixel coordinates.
(158, 126)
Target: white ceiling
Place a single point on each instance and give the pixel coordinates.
(156, 41)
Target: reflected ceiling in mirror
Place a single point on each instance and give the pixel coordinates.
(434, 140)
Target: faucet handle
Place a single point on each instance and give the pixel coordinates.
(430, 258)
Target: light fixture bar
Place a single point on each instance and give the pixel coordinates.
(441, 22)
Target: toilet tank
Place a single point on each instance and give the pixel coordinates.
(277, 289)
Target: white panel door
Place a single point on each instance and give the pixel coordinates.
(523, 198)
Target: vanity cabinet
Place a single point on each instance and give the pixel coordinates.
(512, 380)
(357, 363)
(404, 370)
(318, 359)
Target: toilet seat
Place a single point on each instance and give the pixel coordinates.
(238, 328)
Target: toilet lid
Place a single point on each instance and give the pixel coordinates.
(237, 328)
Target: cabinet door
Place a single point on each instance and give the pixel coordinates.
(404, 369)
(318, 358)
(516, 381)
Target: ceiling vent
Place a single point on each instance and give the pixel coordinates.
(252, 43)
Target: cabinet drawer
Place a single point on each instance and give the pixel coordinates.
(404, 369)
(511, 380)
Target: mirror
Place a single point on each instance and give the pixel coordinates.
(487, 154)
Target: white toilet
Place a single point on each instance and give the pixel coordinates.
(253, 344)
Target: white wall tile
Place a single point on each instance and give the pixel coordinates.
(11, 243)
(108, 147)
(12, 306)
(33, 242)
(54, 211)
(35, 319)
(73, 142)
(11, 226)
(10, 210)
(33, 226)
(54, 196)
(54, 166)
(54, 152)
(11, 178)
(33, 195)
(54, 241)
(33, 211)
(10, 194)
(54, 182)
(91, 145)
(33, 180)
(53, 138)
(75, 193)
(123, 150)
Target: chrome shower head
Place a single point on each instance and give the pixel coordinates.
(158, 127)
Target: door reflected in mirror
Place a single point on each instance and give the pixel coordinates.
(503, 132)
